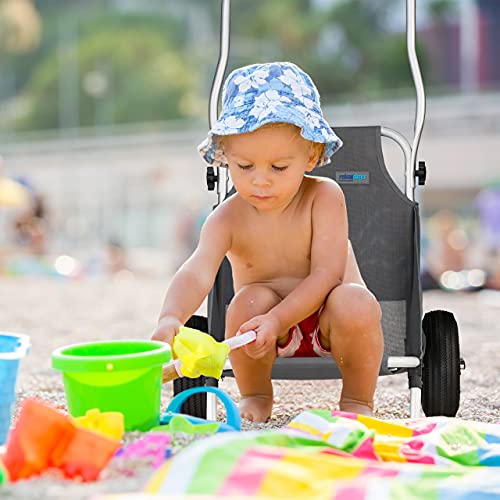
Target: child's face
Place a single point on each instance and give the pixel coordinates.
(267, 166)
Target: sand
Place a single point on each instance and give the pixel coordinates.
(56, 313)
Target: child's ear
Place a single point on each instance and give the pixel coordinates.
(314, 156)
(311, 164)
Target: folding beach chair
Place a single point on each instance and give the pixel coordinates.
(384, 231)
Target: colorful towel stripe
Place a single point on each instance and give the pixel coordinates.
(333, 455)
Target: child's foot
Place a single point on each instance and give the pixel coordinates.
(355, 406)
(256, 408)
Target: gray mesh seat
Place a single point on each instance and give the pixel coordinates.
(384, 231)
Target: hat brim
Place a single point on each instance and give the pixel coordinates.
(313, 128)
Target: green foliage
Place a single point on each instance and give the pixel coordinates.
(147, 68)
(346, 48)
(370, 57)
(291, 24)
(145, 78)
(441, 9)
(393, 68)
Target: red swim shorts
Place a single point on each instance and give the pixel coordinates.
(303, 341)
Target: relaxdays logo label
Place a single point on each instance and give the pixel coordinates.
(352, 177)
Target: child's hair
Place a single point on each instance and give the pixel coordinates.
(317, 148)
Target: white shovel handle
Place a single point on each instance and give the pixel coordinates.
(241, 340)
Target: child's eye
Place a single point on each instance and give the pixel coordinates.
(279, 169)
(244, 167)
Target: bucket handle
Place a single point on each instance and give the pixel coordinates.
(232, 412)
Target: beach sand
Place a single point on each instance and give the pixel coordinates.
(57, 312)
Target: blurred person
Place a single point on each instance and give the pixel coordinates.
(116, 259)
(30, 227)
(493, 271)
(447, 244)
(427, 280)
(187, 230)
(488, 205)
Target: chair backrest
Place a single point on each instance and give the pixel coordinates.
(384, 231)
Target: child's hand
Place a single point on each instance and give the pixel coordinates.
(167, 329)
(267, 327)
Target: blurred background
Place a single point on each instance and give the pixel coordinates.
(103, 102)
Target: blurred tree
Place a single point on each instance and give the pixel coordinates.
(128, 71)
(393, 70)
(275, 30)
(20, 33)
(53, 13)
(142, 61)
(374, 59)
(440, 10)
(347, 46)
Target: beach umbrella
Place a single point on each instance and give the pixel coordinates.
(13, 194)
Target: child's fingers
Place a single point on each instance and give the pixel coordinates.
(251, 324)
(164, 336)
(255, 351)
(259, 342)
(250, 351)
(258, 349)
(158, 336)
(255, 354)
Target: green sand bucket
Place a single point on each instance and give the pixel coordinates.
(118, 375)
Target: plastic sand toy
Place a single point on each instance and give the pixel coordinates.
(109, 424)
(153, 448)
(12, 348)
(44, 437)
(178, 422)
(200, 354)
(4, 476)
(114, 376)
(187, 425)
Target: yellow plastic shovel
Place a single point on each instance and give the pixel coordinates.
(200, 354)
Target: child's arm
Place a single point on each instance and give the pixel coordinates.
(328, 262)
(195, 278)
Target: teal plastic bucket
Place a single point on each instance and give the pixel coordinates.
(13, 346)
(119, 375)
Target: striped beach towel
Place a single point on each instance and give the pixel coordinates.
(336, 455)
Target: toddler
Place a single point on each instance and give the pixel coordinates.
(296, 280)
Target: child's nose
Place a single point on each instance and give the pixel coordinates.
(260, 180)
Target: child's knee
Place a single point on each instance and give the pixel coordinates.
(250, 301)
(352, 308)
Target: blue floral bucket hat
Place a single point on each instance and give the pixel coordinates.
(259, 94)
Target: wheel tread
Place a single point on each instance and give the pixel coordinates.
(441, 364)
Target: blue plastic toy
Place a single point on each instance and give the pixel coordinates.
(232, 412)
(13, 347)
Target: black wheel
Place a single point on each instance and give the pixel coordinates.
(441, 365)
(195, 405)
